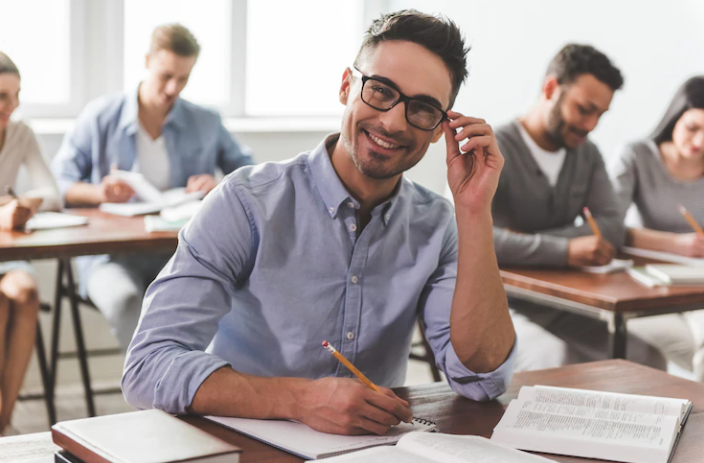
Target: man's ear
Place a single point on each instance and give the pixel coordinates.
(437, 133)
(146, 60)
(550, 87)
(345, 86)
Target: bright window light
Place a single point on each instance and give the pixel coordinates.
(295, 61)
(35, 35)
(209, 21)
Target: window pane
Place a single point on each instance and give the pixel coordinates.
(35, 35)
(295, 61)
(209, 83)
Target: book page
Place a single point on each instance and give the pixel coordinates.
(586, 412)
(419, 447)
(603, 400)
(449, 448)
(654, 434)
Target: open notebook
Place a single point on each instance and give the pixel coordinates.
(299, 439)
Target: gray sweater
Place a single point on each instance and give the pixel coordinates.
(640, 177)
(544, 216)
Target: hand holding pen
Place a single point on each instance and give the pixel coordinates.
(348, 406)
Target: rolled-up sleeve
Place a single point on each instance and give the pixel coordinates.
(166, 361)
(74, 161)
(233, 154)
(436, 304)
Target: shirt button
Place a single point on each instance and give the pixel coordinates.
(332, 210)
(350, 335)
(354, 279)
(350, 205)
(353, 227)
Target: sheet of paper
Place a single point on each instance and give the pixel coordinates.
(664, 256)
(144, 190)
(46, 220)
(616, 265)
(301, 440)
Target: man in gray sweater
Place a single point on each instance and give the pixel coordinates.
(551, 173)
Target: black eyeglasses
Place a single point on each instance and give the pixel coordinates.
(383, 97)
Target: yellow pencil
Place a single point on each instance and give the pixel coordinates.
(349, 365)
(592, 223)
(692, 223)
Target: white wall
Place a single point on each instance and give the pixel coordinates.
(656, 44)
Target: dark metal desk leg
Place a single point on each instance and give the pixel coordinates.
(55, 325)
(618, 336)
(78, 332)
(46, 377)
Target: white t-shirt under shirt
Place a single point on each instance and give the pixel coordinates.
(550, 162)
(153, 160)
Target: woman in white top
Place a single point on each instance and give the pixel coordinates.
(657, 175)
(19, 303)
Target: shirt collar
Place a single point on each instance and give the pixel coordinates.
(333, 191)
(129, 120)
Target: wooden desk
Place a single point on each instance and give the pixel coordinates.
(456, 415)
(614, 298)
(104, 234)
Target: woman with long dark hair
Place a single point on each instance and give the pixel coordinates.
(657, 175)
(19, 303)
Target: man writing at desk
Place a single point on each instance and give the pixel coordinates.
(553, 171)
(335, 244)
(171, 142)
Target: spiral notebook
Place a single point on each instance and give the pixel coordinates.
(299, 439)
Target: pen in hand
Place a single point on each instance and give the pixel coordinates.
(352, 368)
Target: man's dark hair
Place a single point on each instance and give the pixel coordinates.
(7, 66)
(436, 33)
(574, 60)
(689, 96)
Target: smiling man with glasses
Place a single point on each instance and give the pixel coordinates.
(336, 245)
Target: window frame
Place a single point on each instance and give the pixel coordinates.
(96, 50)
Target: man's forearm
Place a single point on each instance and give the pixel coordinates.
(83, 194)
(481, 330)
(229, 393)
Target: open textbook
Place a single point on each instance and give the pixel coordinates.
(301, 440)
(593, 424)
(418, 447)
(150, 199)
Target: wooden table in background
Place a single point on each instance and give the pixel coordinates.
(456, 415)
(104, 234)
(614, 298)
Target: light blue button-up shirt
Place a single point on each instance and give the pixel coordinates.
(275, 263)
(105, 136)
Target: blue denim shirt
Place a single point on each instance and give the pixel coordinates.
(273, 264)
(105, 135)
